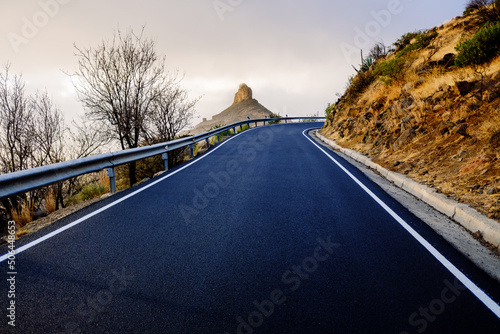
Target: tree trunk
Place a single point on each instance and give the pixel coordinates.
(59, 196)
(131, 173)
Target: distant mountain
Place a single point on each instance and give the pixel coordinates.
(244, 106)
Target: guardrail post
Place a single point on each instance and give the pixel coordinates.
(164, 156)
(191, 149)
(255, 123)
(208, 143)
(112, 179)
(25, 181)
(234, 130)
(241, 127)
(286, 120)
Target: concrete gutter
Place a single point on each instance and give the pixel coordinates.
(463, 214)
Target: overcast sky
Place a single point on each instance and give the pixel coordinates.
(295, 55)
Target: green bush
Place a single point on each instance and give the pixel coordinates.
(329, 109)
(390, 70)
(406, 39)
(482, 48)
(468, 11)
(422, 40)
(273, 115)
(89, 191)
(243, 128)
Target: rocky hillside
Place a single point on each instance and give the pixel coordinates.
(415, 112)
(244, 106)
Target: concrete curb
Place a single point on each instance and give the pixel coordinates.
(461, 213)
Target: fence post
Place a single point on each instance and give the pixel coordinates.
(165, 160)
(112, 179)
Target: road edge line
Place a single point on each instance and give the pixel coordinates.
(471, 286)
(110, 205)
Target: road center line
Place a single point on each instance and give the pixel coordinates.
(480, 294)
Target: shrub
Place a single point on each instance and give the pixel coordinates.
(422, 40)
(391, 70)
(406, 39)
(147, 167)
(89, 191)
(273, 115)
(367, 63)
(487, 10)
(358, 83)
(378, 51)
(482, 48)
(244, 128)
(23, 214)
(50, 202)
(218, 126)
(329, 109)
(92, 190)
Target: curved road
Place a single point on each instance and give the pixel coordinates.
(265, 233)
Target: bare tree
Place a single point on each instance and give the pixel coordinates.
(87, 138)
(16, 123)
(117, 82)
(49, 130)
(16, 135)
(49, 135)
(32, 134)
(172, 111)
(379, 50)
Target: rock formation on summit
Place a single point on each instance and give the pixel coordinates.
(244, 106)
(244, 93)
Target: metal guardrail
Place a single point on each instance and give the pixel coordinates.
(34, 178)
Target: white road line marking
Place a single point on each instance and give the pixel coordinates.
(480, 294)
(104, 208)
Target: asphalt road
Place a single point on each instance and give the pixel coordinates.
(265, 233)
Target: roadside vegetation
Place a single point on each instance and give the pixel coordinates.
(427, 106)
(130, 100)
(273, 115)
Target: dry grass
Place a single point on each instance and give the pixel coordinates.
(21, 232)
(489, 127)
(24, 214)
(104, 181)
(50, 202)
(463, 164)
